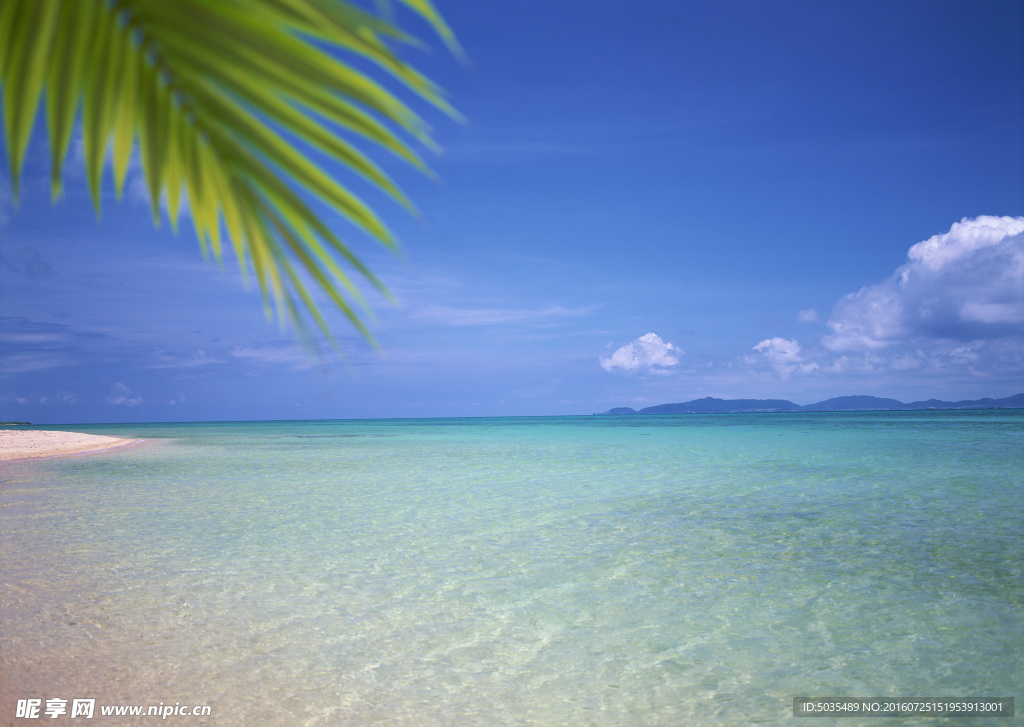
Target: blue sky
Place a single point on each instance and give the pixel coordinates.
(650, 202)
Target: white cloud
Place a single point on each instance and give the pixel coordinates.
(964, 285)
(275, 354)
(60, 397)
(992, 312)
(647, 354)
(20, 362)
(783, 355)
(964, 240)
(808, 315)
(168, 360)
(122, 395)
(19, 338)
(780, 350)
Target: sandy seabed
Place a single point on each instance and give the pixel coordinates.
(30, 444)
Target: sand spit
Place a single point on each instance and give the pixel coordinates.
(30, 444)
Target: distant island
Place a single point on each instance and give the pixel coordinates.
(710, 405)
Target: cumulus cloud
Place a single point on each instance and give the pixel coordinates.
(646, 354)
(122, 395)
(783, 355)
(961, 286)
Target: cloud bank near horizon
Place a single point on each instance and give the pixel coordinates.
(954, 308)
(956, 304)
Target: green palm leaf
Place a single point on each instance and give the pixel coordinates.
(221, 97)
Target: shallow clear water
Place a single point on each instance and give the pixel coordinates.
(657, 570)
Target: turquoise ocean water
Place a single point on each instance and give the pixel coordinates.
(661, 570)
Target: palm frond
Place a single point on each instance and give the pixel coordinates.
(221, 97)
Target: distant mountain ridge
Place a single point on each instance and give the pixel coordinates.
(710, 405)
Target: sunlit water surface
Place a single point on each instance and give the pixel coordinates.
(660, 570)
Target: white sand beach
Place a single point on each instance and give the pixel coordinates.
(27, 444)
